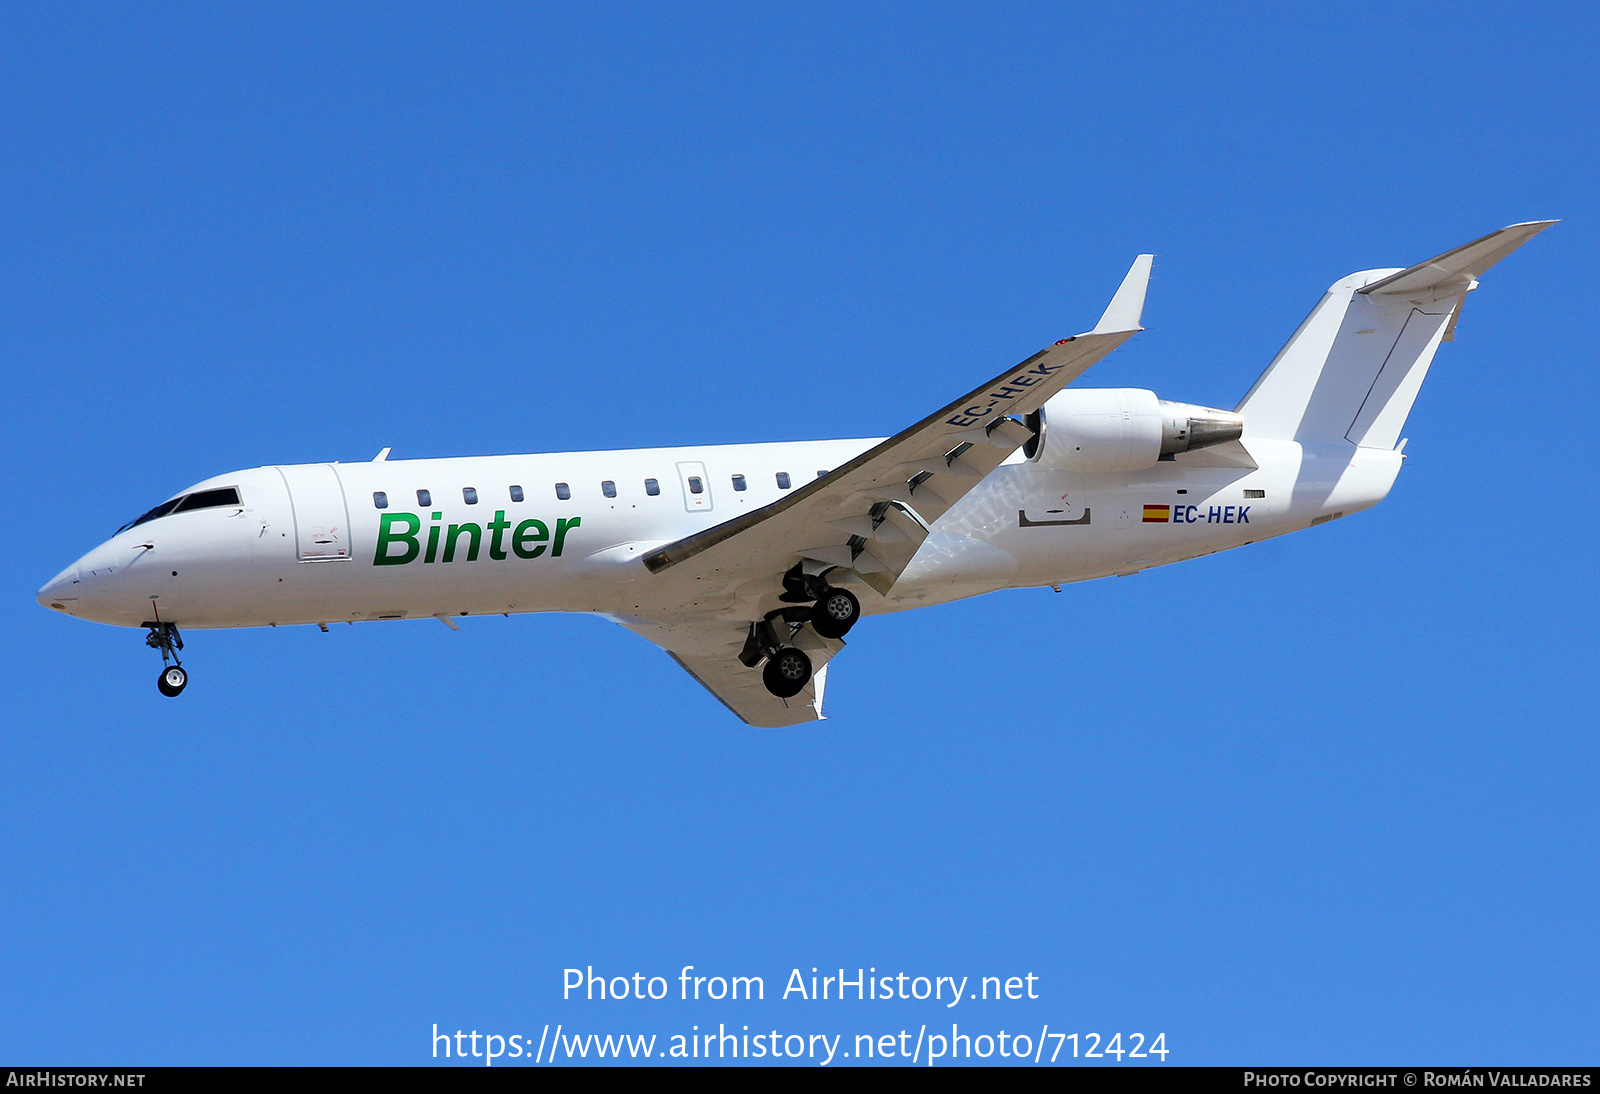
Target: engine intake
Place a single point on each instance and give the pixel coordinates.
(1122, 429)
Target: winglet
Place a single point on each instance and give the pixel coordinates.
(1127, 307)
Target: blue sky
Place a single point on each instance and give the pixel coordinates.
(1328, 798)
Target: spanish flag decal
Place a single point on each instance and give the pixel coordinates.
(1157, 514)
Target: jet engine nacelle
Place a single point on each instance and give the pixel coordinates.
(1122, 429)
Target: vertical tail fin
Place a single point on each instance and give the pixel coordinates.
(1354, 367)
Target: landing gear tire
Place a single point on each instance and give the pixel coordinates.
(172, 681)
(834, 613)
(787, 671)
(165, 637)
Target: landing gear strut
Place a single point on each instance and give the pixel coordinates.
(165, 637)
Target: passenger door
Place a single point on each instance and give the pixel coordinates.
(321, 517)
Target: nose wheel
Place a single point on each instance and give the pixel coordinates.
(172, 681)
(165, 637)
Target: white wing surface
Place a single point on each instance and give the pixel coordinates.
(867, 518)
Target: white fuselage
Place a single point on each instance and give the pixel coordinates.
(303, 543)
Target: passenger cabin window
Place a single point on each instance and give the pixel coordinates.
(208, 499)
(563, 491)
(608, 488)
(469, 494)
(516, 493)
(695, 485)
(380, 500)
(738, 482)
(424, 498)
(783, 480)
(652, 487)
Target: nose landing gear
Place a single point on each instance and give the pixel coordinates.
(172, 680)
(165, 637)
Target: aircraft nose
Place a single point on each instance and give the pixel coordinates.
(96, 587)
(61, 591)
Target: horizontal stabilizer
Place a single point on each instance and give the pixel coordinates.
(1462, 265)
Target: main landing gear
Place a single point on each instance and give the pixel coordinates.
(165, 637)
(787, 669)
(835, 612)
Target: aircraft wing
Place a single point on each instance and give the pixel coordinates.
(709, 593)
(871, 514)
(709, 651)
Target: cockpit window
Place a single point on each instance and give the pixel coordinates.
(159, 511)
(208, 499)
(200, 499)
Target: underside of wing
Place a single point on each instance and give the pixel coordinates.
(710, 651)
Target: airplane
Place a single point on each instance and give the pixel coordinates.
(750, 563)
